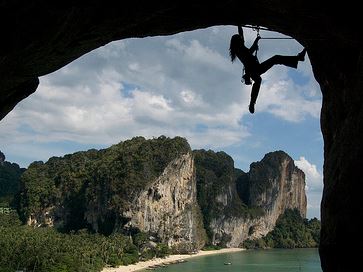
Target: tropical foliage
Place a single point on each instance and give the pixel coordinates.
(291, 231)
(91, 189)
(45, 249)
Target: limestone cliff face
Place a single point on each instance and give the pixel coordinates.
(232, 231)
(276, 184)
(145, 184)
(42, 218)
(249, 205)
(168, 207)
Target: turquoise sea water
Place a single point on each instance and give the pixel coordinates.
(306, 260)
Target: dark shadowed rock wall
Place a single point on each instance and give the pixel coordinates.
(39, 37)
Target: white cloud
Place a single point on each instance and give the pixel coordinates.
(314, 186)
(191, 99)
(314, 179)
(286, 100)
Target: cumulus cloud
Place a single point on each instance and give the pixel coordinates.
(285, 100)
(181, 85)
(314, 179)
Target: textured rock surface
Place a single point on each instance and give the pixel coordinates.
(141, 184)
(42, 218)
(39, 37)
(274, 184)
(169, 209)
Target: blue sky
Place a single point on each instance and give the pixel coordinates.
(181, 85)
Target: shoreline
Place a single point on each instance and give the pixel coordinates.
(169, 259)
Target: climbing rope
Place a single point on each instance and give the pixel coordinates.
(276, 38)
(258, 28)
(255, 28)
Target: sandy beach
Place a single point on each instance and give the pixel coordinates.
(169, 259)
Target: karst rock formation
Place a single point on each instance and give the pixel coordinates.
(39, 37)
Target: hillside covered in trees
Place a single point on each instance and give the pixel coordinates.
(97, 208)
(91, 189)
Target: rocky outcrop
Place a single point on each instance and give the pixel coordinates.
(42, 218)
(232, 231)
(139, 184)
(168, 207)
(276, 184)
(165, 209)
(247, 205)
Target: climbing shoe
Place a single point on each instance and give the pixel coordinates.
(251, 107)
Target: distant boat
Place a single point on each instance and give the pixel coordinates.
(227, 263)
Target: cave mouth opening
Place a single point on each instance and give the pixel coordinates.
(335, 54)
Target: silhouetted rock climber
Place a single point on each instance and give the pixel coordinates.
(252, 67)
